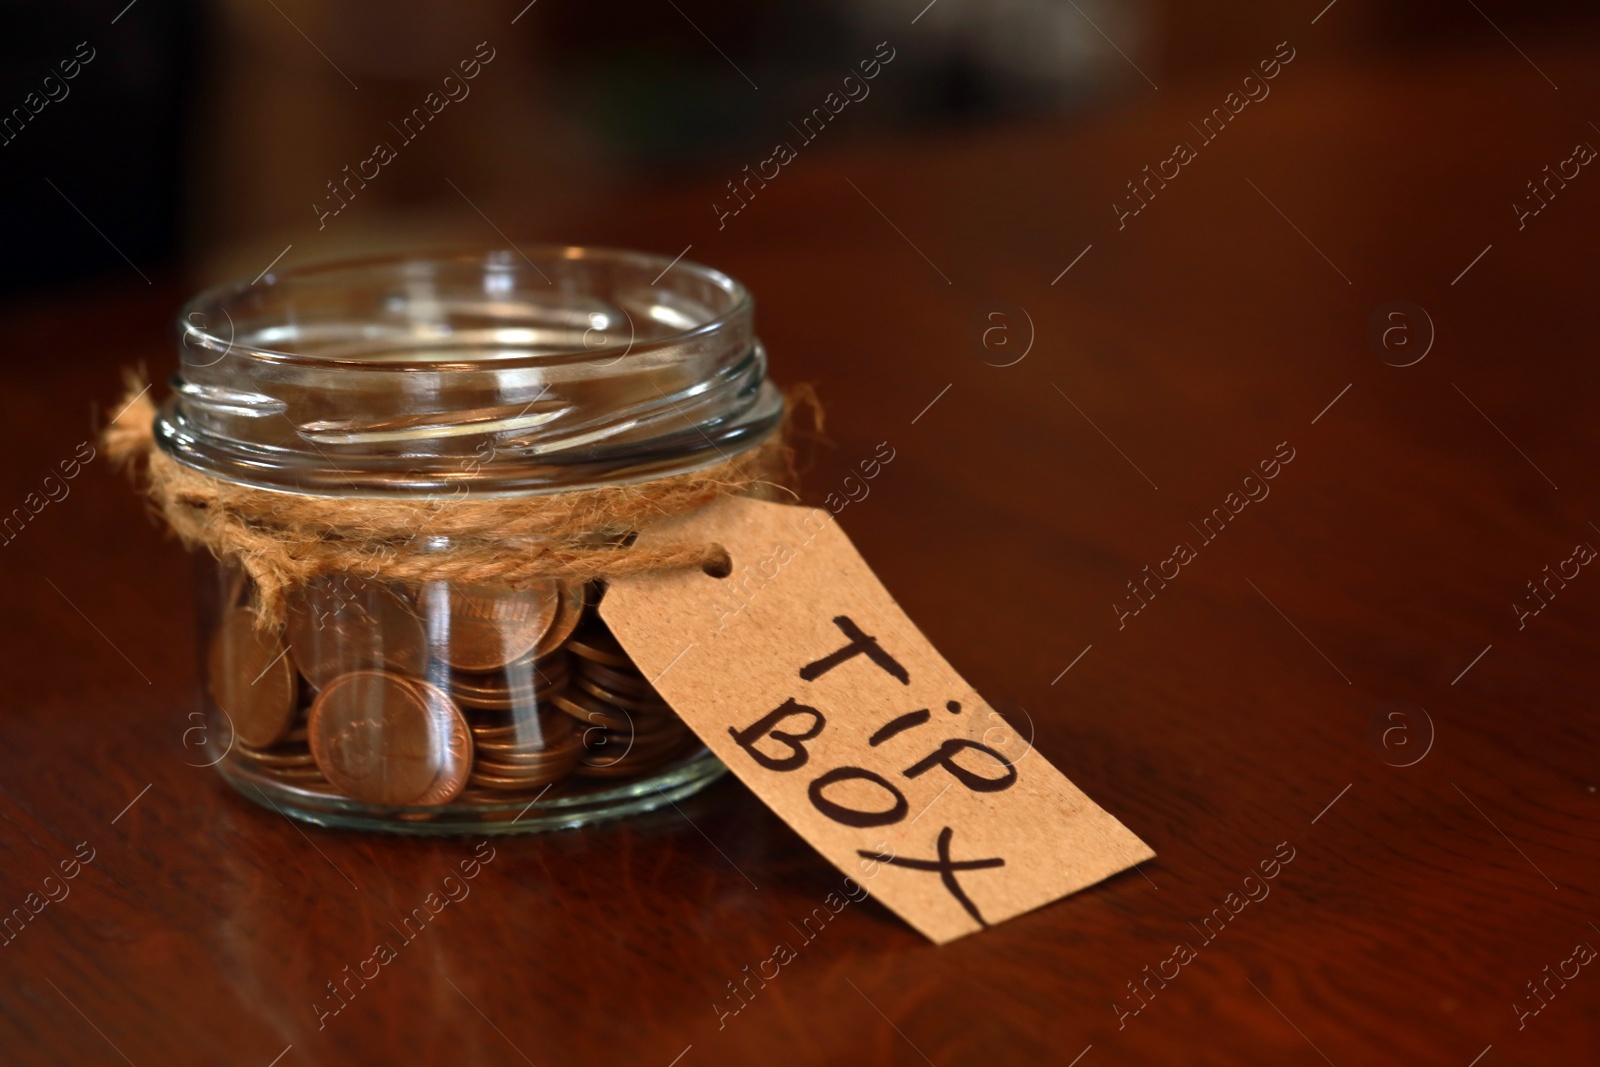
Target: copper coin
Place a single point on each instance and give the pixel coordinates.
(252, 679)
(531, 752)
(588, 697)
(492, 626)
(569, 612)
(452, 775)
(560, 750)
(529, 670)
(492, 775)
(386, 739)
(517, 686)
(538, 729)
(615, 744)
(625, 767)
(527, 719)
(561, 756)
(556, 762)
(632, 683)
(343, 625)
(535, 673)
(586, 709)
(622, 700)
(650, 728)
(517, 736)
(536, 736)
(646, 727)
(501, 728)
(600, 715)
(479, 699)
(560, 760)
(523, 702)
(594, 642)
(605, 750)
(647, 747)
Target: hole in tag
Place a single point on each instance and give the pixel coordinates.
(720, 567)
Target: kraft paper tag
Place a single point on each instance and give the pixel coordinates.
(804, 676)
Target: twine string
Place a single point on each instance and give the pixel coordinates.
(284, 540)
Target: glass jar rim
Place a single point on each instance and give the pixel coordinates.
(218, 298)
(437, 372)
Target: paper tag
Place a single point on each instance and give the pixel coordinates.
(804, 676)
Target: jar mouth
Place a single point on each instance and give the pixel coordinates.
(285, 306)
(503, 371)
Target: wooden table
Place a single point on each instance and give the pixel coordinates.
(1441, 859)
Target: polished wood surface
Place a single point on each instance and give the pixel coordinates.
(1241, 713)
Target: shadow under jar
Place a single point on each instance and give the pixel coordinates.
(434, 706)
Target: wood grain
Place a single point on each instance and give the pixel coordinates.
(1233, 713)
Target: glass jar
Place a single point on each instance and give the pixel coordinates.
(433, 706)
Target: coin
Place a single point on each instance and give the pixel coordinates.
(525, 743)
(536, 673)
(622, 742)
(628, 765)
(519, 700)
(520, 684)
(537, 735)
(631, 683)
(642, 744)
(524, 726)
(527, 762)
(650, 728)
(627, 703)
(594, 642)
(607, 747)
(252, 679)
(586, 708)
(490, 627)
(494, 774)
(453, 771)
(342, 625)
(501, 730)
(387, 739)
(554, 763)
(569, 612)
(495, 744)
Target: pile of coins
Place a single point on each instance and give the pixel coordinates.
(445, 694)
(631, 728)
(521, 741)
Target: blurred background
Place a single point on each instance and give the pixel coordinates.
(198, 140)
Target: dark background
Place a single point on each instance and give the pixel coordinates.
(1442, 867)
(197, 139)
